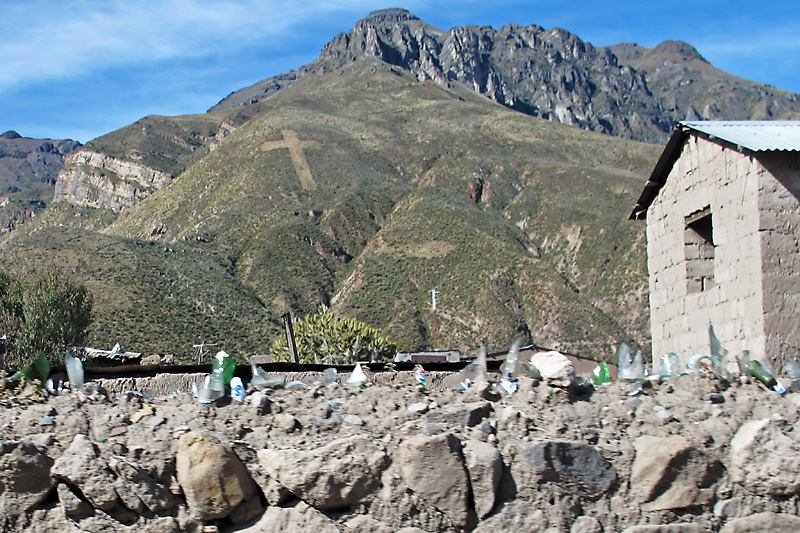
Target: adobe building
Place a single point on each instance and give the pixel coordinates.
(723, 225)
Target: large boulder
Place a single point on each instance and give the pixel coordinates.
(485, 469)
(575, 466)
(335, 476)
(24, 477)
(555, 368)
(212, 477)
(433, 468)
(670, 473)
(764, 460)
(81, 466)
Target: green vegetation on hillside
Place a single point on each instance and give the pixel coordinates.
(42, 313)
(545, 251)
(331, 340)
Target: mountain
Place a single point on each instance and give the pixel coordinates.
(407, 186)
(624, 90)
(377, 173)
(28, 171)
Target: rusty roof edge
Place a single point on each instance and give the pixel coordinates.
(659, 175)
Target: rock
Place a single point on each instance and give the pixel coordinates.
(575, 466)
(433, 468)
(82, 467)
(365, 523)
(162, 524)
(467, 414)
(285, 422)
(485, 469)
(714, 397)
(764, 460)
(762, 523)
(586, 524)
(247, 511)
(298, 518)
(419, 407)
(24, 477)
(667, 528)
(154, 359)
(127, 496)
(555, 368)
(212, 477)
(335, 476)
(670, 473)
(155, 496)
(353, 420)
(725, 508)
(71, 504)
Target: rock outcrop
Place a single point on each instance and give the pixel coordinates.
(97, 180)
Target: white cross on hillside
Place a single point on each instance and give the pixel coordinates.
(295, 147)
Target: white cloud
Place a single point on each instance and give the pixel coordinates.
(41, 40)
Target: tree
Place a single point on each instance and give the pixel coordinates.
(48, 313)
(325, 339)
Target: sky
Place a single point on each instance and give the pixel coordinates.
(83, 68)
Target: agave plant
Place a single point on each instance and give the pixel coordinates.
(326, 339)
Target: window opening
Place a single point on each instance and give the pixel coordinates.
(699, 249)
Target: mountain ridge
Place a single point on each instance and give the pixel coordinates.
(548, 73)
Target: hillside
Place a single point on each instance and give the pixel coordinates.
(28, 171)
(409, 186)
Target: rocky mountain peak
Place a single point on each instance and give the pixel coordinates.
(624, 90)
(681, 49)
(388, 16)
(11, 134)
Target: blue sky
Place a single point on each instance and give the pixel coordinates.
(83, 68)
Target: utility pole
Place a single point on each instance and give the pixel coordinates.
(434, 292)
(287, 322)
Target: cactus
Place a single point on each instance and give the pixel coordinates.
(326, 339)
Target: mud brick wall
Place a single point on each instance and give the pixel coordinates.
(753, 297)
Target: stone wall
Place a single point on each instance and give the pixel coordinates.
(779, 227)
(707, 175)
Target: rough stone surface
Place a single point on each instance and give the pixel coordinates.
(152, 494)
(81, 466)
(433, 468)
(24, 477)
(669, 528)
(586, 524)
(669, 473)
(432, 483)
(470, 414)
(334, 476)
(485, 469)
(555, 368)
(764, 460)
(212, 477)
(298, 518)
(763, 523)
(573, 465)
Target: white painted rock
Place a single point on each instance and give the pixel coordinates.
(555, 368)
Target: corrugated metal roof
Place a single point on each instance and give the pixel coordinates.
(752, 135)
(755, 135)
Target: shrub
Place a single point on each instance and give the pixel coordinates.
(47, 314)
(325, 339)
